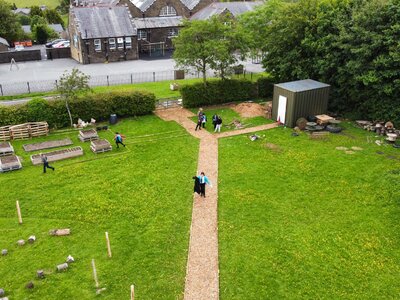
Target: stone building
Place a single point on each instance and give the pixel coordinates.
(233, 9)
(102, 34)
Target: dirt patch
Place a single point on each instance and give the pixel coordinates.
(250, 110)
(273, 147)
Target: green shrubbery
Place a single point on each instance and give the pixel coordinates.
(97, 106)
(265, 87)
(217, 92)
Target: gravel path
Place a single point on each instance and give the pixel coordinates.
(202, 272)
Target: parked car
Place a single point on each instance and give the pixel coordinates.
(63, 44)
(19, 47)
(53, 42)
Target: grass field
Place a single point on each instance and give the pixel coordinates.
(141, 195)
(29, 3)
(228, 115)
(306, 221)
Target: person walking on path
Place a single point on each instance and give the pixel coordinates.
(119, 139)
(196, 187)
(204, 120)
(45, 163)
(219, 123)
(199, 119)
(203, 181)
(214, 120)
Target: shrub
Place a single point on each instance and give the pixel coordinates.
(217, 92)
(98, 106)
(265, 86)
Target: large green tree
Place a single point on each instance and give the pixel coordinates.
(10, 29)
(53, 17)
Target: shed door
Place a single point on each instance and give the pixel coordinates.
(281, 109)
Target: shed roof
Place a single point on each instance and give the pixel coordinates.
(302, 85)
(24, 11)
(4, 42)
(96, 2)
(157, 22)
(144, 5)
(217, 8)
(103, 22)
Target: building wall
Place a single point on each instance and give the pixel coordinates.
(155, 8)
(3, 48)
(156, 35)
(76, 50)
(275, 101)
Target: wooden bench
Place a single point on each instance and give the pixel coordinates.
(319, 135)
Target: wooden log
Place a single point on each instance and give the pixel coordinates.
(108, 245)
(62, 267)
(19, 213)
(95, 274)
(132, 292)
(60, 232)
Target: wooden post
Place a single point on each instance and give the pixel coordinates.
(19, 213)
(95, 274)
(108, 245)
(132, 292)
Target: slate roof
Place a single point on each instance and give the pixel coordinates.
(157, 22)
(103, 22)
(96, 2)
(56, 27)
(4, 42)
(144, 5)
(24, 11)
(217, 8)
(302, 85)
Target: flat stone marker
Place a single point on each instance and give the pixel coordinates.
(60, 232)
(62, 267)
(21, 242)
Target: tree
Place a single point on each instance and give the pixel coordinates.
(53, 17)
(64, 6)
(71, 85)
(36, 11)
(35, 20)
(10, 29)
(209, 43)
(24, 20)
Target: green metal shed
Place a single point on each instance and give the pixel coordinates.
(296, 99)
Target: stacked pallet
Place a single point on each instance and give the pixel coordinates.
(88, 135)
(99, 146)
(23, 131)
(5, 133)
(6, 149)
(57, 155)
(10, 163)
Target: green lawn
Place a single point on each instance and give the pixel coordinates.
(228, 115)
(306, 221)
(29, 3)
(141, 195)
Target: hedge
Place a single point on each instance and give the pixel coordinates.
(98, 106)
(265, 86)
(217, 92)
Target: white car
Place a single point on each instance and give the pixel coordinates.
(19, 48)
(63, 44)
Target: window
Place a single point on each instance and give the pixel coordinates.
(172, 32)
(142, 35)
(111, 42)
(97, 45)
(128, 43)
(120, 43)
(167, 11)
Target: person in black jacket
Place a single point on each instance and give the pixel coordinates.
(214, 120)
(196, 188)
(45, 163)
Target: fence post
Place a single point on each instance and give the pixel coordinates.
(154, 76)
(1, 88)
(131, 79)
(108, 82)
(56, 84)
(29, 88)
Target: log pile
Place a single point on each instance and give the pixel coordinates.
(380, 128)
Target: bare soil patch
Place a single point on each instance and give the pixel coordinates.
(250, 110)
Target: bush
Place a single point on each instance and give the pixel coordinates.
(98, 106)
(217, 92)
(265, 87)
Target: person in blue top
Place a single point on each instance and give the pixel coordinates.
(118, 139)
(203, 181)
(204, 120)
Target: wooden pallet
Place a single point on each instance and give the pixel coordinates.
(88, 135)
(6, 149)
(10, 163)
(57, 155)
(319, 135)
(5, 133)
(24, 131)
(100, 146)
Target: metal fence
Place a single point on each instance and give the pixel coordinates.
(17, 88)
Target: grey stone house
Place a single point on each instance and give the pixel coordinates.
(233, 9)
(102, 34)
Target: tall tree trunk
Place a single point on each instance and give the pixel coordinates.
(69, 112)
(204, 73)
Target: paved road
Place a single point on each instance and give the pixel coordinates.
(53, 69)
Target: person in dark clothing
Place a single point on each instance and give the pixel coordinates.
(214, 120)
(196, 187)
(203, 181)
(199, 121)
(45, 163)
(219, 124)
(119, 139)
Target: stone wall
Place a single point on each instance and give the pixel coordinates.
(24, 55)
(54, 53)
